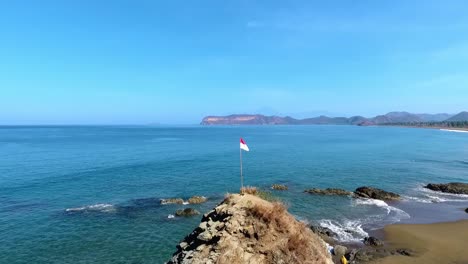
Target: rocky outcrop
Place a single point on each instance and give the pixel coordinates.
(187, 212)
(172, 201)
(247, 229)
(197, 199)
(466, 210)
(374, 193)
(328, 191)
(325, 233)
(452, 187)
(279, 187)
(366, 254)
(372, 241)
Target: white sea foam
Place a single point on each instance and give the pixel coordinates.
(347, 231)
(170, 216)
(454, 130)
(185, 203)
(396, 213)
(438, 197)
(419, 199)
(105, 208)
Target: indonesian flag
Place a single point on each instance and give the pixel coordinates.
(243, 145)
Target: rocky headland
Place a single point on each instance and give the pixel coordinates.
(248, 229)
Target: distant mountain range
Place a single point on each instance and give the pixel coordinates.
(463, 116)
(389, 118)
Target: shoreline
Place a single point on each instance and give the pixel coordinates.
(443, 242)
(435, 233)
(448, 129)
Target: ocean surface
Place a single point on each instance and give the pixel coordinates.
(92, 194)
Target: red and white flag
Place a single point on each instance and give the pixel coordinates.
(243, 145)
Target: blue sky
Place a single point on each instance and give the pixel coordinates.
(173, 62)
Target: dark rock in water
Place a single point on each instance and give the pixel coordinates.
(279, 187)
(328, 191)
(187, 212)
(339, 250)
(197, 199)
(172, 201)
(373, 241)
(452, 187)
(324, 232)
(466, 210)
(374, 193)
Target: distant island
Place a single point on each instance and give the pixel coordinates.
(443, 120)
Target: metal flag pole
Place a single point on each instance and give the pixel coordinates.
(242, 180)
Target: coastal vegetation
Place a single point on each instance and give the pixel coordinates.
(443, 124)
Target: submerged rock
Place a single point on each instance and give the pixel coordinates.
(373, 241)
(375, 193)
(197, 200)
(452, 187)
(279, 187)
(172, 201)
(248, 229)
(328, 191)
(187, 212)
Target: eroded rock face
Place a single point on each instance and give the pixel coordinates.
(328, 191)
(247, 229)
(375, 193)
(452, 187)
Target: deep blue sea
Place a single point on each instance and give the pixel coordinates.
(111, 180)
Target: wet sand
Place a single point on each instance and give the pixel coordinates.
(431, 243)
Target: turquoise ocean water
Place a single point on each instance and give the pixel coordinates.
(111, 180)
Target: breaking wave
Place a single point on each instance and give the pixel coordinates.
(347, 231)
(353, 230)
(104, 208)
(393, 213)
(424, 195)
